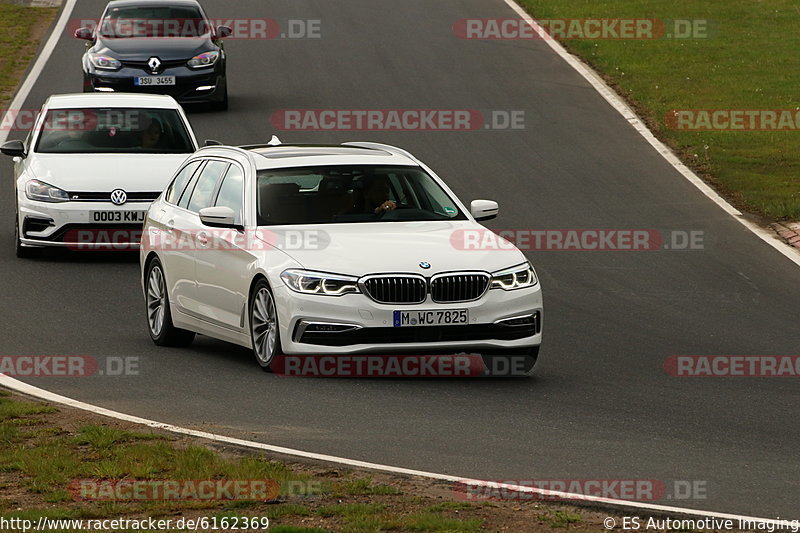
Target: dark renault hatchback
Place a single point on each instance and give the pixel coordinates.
(157, 46)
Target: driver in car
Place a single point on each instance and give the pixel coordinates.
(151, 135)
(376, 196)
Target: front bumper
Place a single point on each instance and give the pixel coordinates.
(191, 86)
(72, 225)
(360, 325)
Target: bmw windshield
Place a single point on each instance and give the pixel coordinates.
(362, 193)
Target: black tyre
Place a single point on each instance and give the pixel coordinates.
(264, 325)
(159, 315)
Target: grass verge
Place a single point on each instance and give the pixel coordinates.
(748, 61)
(45, 450)
(23, 28)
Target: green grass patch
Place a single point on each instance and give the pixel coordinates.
(10, 409)
(746, 62)
(437, 522)
(295, 529)
(8, 433)
(350, 510)
(449, 506)
(103, 438)
(19, 24)
(287, 509)
(561, 519)
(362, 487)
(45, 460)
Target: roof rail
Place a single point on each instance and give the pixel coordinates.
(221, 147)
(380, 146)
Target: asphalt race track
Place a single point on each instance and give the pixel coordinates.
(600, 405)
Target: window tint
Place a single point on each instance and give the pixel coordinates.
(206, 184)
(343, 194)
(183, 201)
(153, 21)
(231, 192)
(177, 186)
(117, 130)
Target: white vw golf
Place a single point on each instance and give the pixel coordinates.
(91, 165)
(328, 250)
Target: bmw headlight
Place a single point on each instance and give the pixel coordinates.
(309, 282)
(517, 277)
(104, 62)
(203, 60)
(43, 192)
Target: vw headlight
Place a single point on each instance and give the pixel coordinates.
(104, 62)
(43, 192)
(517, 277)
(206, 59)
(309, 282)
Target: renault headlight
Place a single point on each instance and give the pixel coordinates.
(517, 277)
(203, 60)
(309, 282)
(104, 62)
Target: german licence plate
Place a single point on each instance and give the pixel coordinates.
(147, 81)
(439, 317)
(118, 216)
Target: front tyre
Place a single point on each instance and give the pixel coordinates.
(264, 325)
(222, 104)
(159, 316)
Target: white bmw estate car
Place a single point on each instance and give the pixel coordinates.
(90, 167)
(330, 249)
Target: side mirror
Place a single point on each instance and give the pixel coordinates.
(85, 34)
(13, 149)
(484, 209)
(223, 32)
(212, 142)
(218, 217)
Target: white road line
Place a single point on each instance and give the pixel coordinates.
(793, 254)
(30, 390)
(612, 98)
(38, 66)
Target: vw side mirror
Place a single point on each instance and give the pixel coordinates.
(13, 149)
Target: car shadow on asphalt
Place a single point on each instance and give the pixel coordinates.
(58, 255)
(214, 350)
